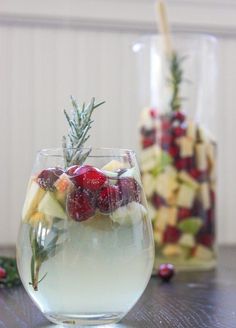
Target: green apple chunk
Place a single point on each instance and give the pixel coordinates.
(130, 214)
(33, 197)
(191, 225)
(51, 207)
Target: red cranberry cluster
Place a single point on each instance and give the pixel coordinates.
(92, 190)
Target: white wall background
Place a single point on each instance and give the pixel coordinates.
(50, 49)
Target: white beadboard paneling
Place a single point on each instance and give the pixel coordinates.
(41, 65)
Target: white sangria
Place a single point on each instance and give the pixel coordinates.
(85, 248)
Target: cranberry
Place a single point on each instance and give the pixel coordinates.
(71, 170)
(171, 235)
(129, 190)
(3, 273)
(165, 124)
(173, 150)
(181, 164)
(178, 131)
(153, 112)
(166, 272)
(157, 201)
(179, 116)
(88, 177)
(108, 199)
(48, 177)
(184, 213)
(80, 205)
(166, 139)
(195, 173)
(148, 142)
(206, 240)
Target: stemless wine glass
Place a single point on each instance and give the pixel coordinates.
(85, 249)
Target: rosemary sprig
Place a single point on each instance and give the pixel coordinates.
(79, 125)
(12, 277)
(176, 78)
(44, 244)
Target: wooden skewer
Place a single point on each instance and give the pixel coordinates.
(164, 28)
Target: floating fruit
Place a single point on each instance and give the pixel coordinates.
(48, 177)
(108, 199)
(88, 177)
(80, 205)
(191, 225)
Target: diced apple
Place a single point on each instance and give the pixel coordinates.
(172, 250)
(148, 165)
(130, 214)
(63, 183)
(151, 211)
(210, 151)
(201, 157)
(149, 184)
(191, 225)
(150, 153)
(172, 216)
(187, 240)
(186, 196)
(186, 147)
(203, 253)
(204, 195)
(192, 130)
(38, 217)
(161, 220)
(186, 178)
(166, 185)
(158, 237)
(33, 197)
(172, 201)
(50, 206)
(113, 165)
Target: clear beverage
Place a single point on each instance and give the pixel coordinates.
(91, 266)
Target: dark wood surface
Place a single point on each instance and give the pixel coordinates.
(190, 300)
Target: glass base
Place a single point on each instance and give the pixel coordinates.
(87, 319)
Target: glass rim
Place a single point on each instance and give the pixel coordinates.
(47, 151)
(184, 35)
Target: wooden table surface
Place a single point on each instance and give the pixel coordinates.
(190, 300)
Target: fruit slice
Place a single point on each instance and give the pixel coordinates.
(187, 240)
(186, 196)
(201, 157)
(38, 217)
(204, 194)
(33, 197)
(166, 185)
(191, 225)
(113, 166)
(149, 184)
(130, 214)
(186, 147)
(192, 130)
(172, 216)
(203, 253)
(50, 206)
(63, 183)
(186, 178)
(172, 250)
(161, 219)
